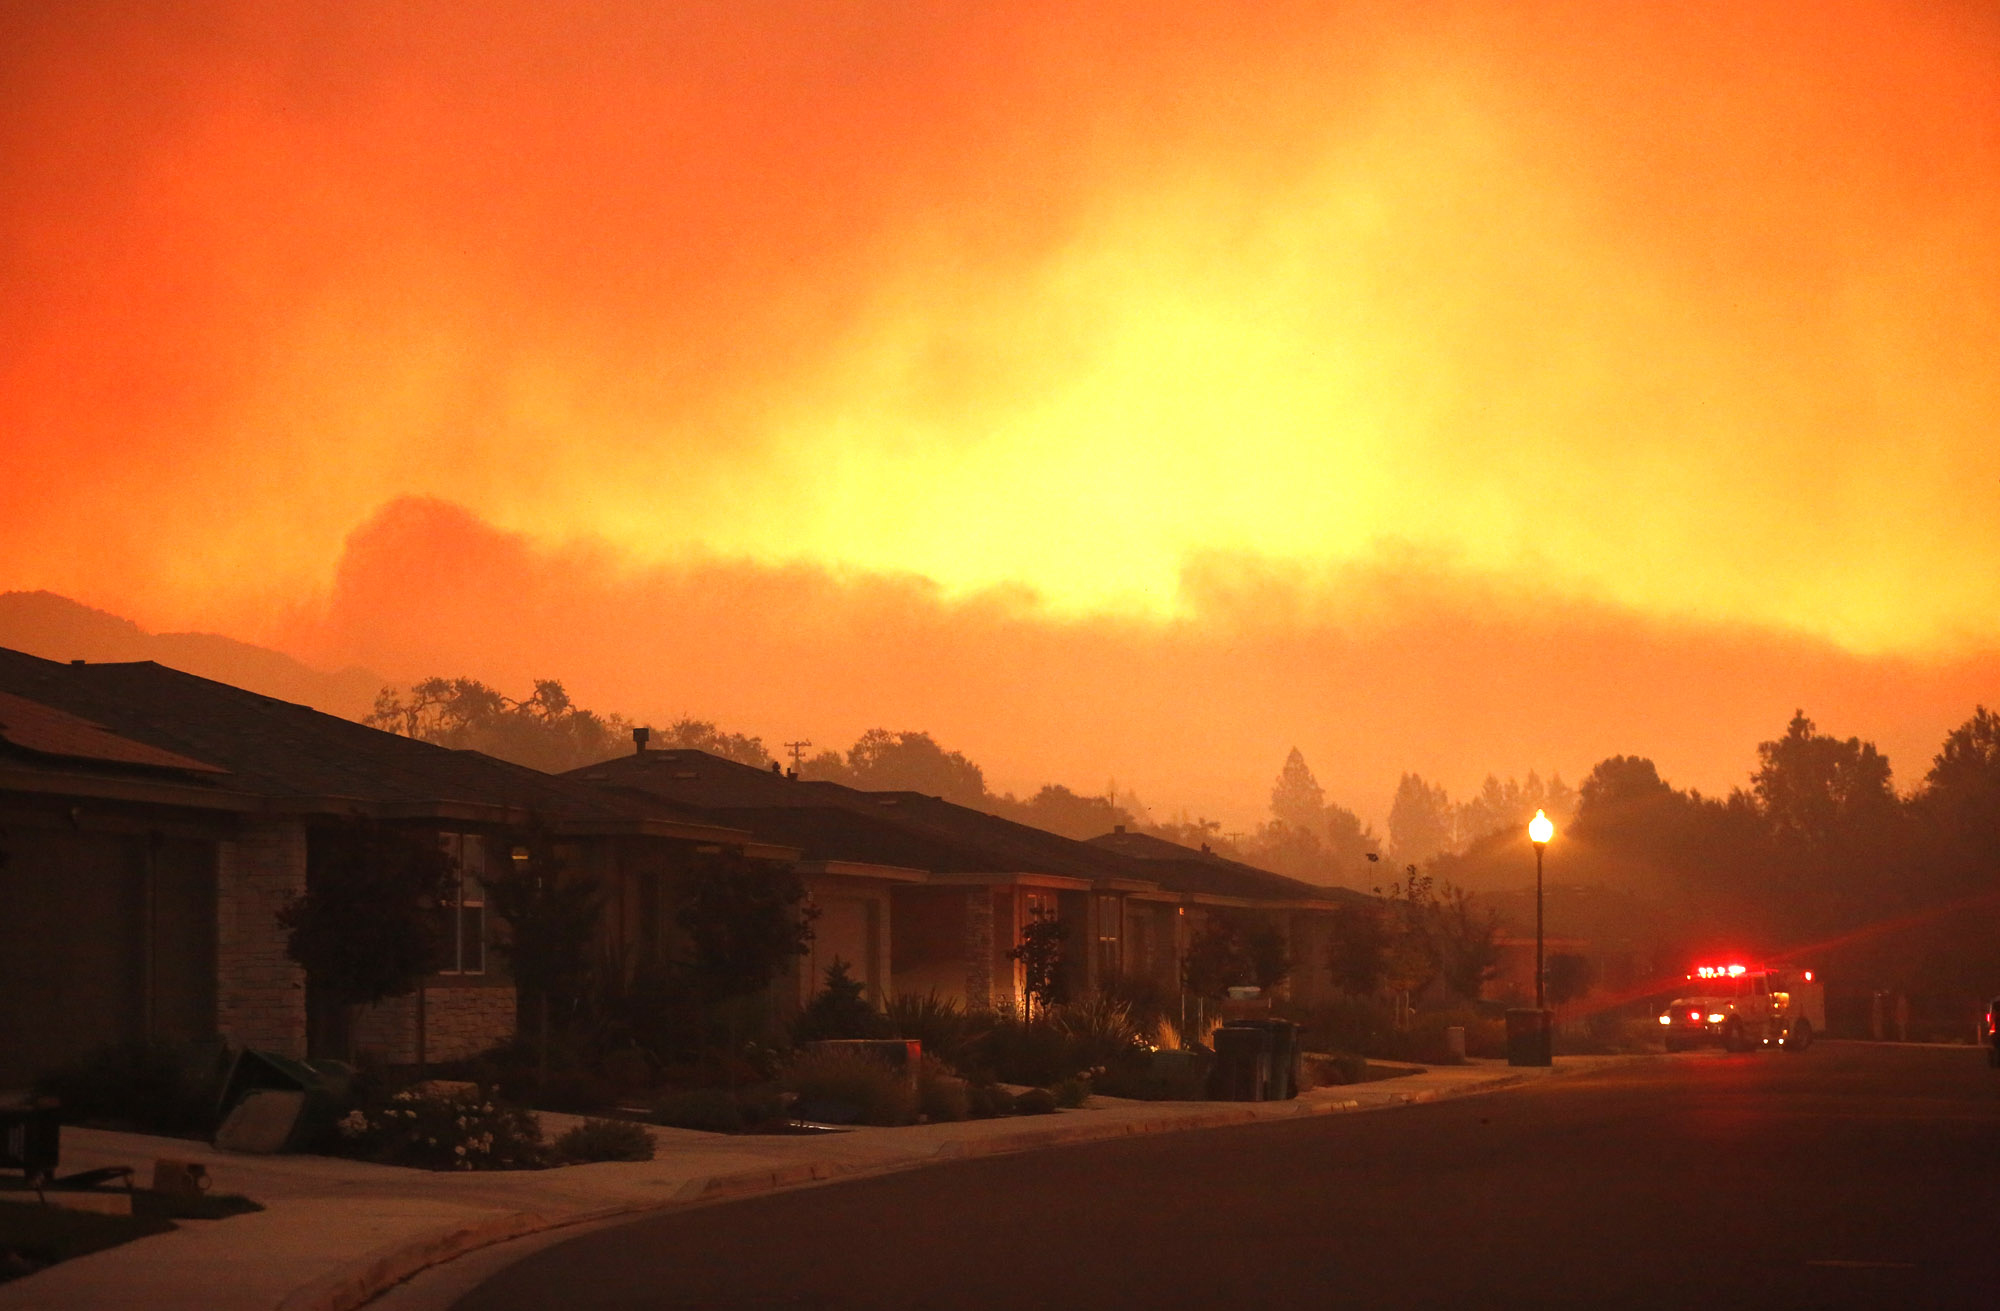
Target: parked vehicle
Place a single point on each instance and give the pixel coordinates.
(1740, 1007)
(1993, 1033)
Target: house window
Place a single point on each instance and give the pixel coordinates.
(1108, 915)
(463, 936)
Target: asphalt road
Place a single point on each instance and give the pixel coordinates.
(1846, 1175)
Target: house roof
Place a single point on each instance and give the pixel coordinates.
(45, 731)
(211, 739)
(1187, 869)
(830, 821)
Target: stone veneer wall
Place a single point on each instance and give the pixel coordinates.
(459, 1021)
(979, 948)
(260, 993)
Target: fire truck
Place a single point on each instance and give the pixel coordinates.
(1741, 1007)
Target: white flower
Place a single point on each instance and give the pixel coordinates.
(458, 1151)
(354, 1124)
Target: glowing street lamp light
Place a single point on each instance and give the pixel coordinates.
(1540, 829)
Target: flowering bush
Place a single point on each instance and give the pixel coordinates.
(444, 1129)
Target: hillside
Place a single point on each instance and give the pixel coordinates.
(57, 628)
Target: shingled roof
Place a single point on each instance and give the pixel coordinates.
(1184, 867)
(245, 751)
(830, 821)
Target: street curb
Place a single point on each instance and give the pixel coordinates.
(356, 1285)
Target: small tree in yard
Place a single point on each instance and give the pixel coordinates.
(1214, 960)
(551, 920)
(1468, 954)
(1357, 955)
(1265, 957)
(1041, 957)
(840, 1010)
(744, 921)
(366, 928)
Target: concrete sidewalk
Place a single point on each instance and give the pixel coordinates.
(335, 1233)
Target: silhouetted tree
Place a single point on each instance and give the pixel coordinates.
(1040, 952)
(840, 1009)
(1358, 950)
(744, 921)
(366, 928)
(1297, 800)
(881, 761)
(1420, 821)
(1466, 941)
(703, 735)
(543, 731)
(1814, 790)
(1510, 805)
(1959, 805)
(551, 918)
(1056, 809)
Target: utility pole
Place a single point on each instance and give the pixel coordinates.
(798, 750)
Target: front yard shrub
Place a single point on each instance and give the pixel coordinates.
(1164, 1076)
(1072, 1093)
(942, 1024)
(143, 1087)
(839, 1010)
(850, 1087)
(1363, 1025)
(1100, 1031)
(443, 1130)
(1034, 1052)
(605, 1140)
(941, 1094)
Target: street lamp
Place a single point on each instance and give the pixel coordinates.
(1540, 829)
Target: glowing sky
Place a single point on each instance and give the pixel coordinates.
(1684, 315)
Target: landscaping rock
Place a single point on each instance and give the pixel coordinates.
(1035, 1101)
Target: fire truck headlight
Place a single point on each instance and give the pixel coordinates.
(1715, 1017)
(1668, 1019)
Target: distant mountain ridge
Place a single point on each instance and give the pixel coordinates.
(57, 628)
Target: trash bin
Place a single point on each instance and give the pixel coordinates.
(1256, 1061)
(1284, 1059)
(324, 1085)
(1530, 1036)
(1242, 1070)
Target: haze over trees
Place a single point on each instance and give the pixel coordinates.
(1818, 855)
(544, 730)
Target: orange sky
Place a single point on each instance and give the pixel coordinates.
(1130, 392)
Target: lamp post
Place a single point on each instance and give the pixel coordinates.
(1540, 829)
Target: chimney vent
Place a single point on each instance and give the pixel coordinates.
(639, 736)
(76, 662)
(1118, 828)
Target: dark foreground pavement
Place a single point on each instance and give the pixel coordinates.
(1848, 1175)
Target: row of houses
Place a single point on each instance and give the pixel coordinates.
(153, 825)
